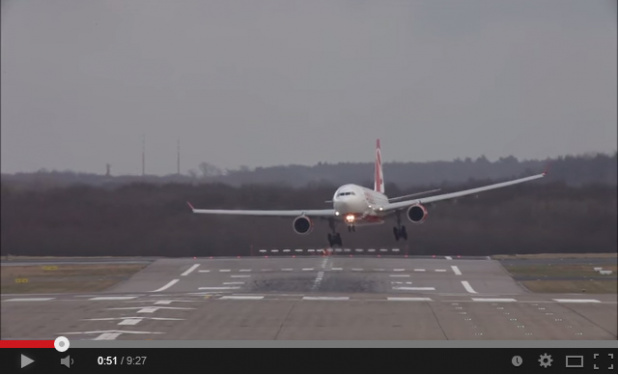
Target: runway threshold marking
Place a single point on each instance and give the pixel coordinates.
(468, 287)
(161, 288)
(27, 299)
(456, 270)
(567, 300)
(193, 267)
(411, 299)
(494, 299)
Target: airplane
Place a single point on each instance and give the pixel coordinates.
(356, 205)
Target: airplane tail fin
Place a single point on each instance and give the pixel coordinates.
(378, 184)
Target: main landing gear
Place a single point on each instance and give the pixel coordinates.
(400, 230)
(334, 238)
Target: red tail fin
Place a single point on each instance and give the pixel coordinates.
(378, 184)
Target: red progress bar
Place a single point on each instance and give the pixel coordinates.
(27, 344)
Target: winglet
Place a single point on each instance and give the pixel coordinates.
(191, 206)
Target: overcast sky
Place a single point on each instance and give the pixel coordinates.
(262, 83)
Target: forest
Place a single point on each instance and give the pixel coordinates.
(153, 219)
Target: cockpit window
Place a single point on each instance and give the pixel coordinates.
(345, 193)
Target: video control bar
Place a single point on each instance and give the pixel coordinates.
(310, 360)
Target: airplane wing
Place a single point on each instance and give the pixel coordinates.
(280, 213)
(441, 197)
(412, 195)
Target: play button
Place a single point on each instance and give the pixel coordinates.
(25, 361)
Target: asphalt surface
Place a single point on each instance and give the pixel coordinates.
(319, 297)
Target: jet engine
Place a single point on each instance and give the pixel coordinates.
(302, 225)
(417, 214)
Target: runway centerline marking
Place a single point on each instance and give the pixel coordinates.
(336, 269)
(245, 270)
(398, 269)
(567, 300)
(419, 270)
(161, 288)
(408, 299)
(287, 269)
(440, 270)
(307, 269)
(193, 267)
(494, 299)
(225, 270)
(468, 287)
(414, 288)
(233, 282)
(113, 298)
(400, 275)
(203, 271)
(27, 299)
(243, 297)
(448, 258)
(311, 298)
(456, 270)
(218, 287)
(240, 276)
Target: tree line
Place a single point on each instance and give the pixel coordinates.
(148, 219)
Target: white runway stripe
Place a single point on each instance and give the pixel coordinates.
(419, 270)
(336, 269)
(166, 286)
(27, 299)
(400, 275)
(307, 269)
(115, 298)
(203, 271)
(468, 287)
(245, 270)
(408, 299)
(398, 269)
(414, 288)
(224, 270)
(449, 258)
(494, 299)
(233, 283)
(243, 297)
(218, 287)
(287, 269)
(240, 276)
(193, 267)
(441, 270)
(310, 298)
(357, 269)
(456, 270)
(567, 300)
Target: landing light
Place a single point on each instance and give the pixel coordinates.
(349, 218)
(337, 213)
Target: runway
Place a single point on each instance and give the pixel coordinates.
(319, 297)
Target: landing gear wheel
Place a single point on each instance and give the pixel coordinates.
(404, 233)
(337, 240)
(396, 233)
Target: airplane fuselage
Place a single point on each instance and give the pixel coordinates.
(357, 205)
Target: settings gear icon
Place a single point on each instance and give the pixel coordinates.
(545, 360)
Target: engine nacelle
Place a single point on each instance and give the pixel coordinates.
(302, 225)
(417, 214)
